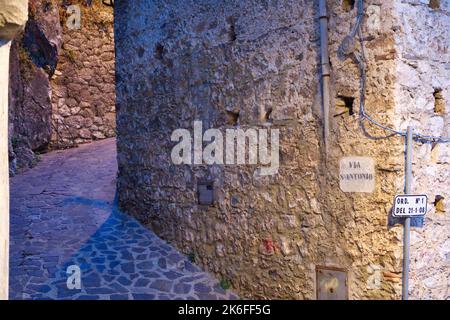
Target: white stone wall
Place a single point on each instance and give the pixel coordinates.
(13, 18)
(423, 66)
(4, 171)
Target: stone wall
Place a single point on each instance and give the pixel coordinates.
(360, 239)
(62, 89)
(83, 86)
(33, 58)
(253, 64)
(423, 100)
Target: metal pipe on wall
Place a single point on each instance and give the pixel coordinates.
(325, 70)
(407, 222)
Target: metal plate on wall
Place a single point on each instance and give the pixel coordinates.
(206, 193)
(331, 283)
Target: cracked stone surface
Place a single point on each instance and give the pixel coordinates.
(63, 213)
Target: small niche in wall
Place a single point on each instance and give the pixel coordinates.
(232, 33)
(159, 51)
(434, 4)
(232, 117)
(439, 102)
(344, 105)
(348, 5)
(267, 117)
(232, 29)
(439, 203)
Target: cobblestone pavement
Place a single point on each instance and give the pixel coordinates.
(63, 213)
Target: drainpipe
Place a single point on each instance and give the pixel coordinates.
(13, 15)
(325, 64)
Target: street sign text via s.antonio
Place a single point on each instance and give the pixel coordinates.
(357, 174)
(410, 206)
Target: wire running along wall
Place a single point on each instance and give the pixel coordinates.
(348, 47)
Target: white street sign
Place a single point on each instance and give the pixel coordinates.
(410, 206)
(357, 174)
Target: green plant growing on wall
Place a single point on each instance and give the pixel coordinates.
(15, 141)
(36, 159)
(26, 65)
(225, 284)
(191, 256)
(71, 56)
(103, 24)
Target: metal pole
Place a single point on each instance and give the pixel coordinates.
(407, 222)
(325, 63)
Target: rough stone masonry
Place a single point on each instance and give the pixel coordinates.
(62, 91)
(252, 64)
(83, 99)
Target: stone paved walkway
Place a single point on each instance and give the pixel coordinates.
(63, 213)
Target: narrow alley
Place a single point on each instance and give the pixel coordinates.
(63, 213)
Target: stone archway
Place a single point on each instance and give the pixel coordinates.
(13, 16)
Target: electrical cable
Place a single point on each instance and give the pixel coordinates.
(347, 47)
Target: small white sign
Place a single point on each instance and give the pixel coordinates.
(357, 174)
(410, 206)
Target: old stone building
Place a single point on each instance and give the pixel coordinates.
(62, 73)
(256, 64)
